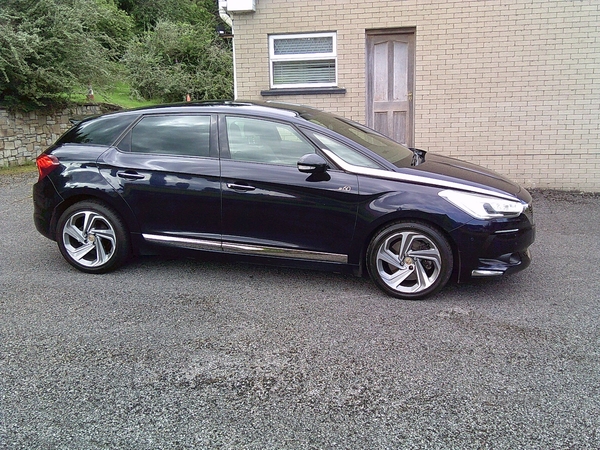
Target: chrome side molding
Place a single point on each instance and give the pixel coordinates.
(172, 241)
(245, 249)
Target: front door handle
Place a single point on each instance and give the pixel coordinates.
(240, 187)
(129, 175)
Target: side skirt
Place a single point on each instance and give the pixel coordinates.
(245, 249)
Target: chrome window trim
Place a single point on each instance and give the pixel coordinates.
(381, 173)
(246, 249)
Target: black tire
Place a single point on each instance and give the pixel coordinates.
(92, 237)
(410, 260)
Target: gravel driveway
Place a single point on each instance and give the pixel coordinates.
(194, 354)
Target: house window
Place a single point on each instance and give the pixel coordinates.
(303, 60)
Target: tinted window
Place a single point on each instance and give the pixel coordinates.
(99, 131)
(390, 150)
(265, 141)
(346, 153)
(171, 135)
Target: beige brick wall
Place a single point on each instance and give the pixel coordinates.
(513, 85)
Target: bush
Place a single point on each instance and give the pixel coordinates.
(177, 59)
(51, 48)
(147, 13)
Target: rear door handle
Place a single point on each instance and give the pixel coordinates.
(130, 175)
(240, 187)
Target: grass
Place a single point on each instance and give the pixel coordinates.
(30, 167)
(120, 95)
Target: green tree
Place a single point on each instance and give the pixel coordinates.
(51, 48)
(176, 59)
(147, 13)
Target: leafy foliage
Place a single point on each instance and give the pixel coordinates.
(176, 59)
(48, 48)
(52, 49)
(147, 13)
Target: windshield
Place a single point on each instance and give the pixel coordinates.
(391, 151)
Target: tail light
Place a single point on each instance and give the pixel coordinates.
(46, 164)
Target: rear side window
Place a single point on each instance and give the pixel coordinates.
(169, 135)
(99, 131)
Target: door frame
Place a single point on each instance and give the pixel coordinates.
(369, 35)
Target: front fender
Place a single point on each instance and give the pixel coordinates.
(400, 201)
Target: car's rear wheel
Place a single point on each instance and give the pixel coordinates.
(92, 237)
(410, 260)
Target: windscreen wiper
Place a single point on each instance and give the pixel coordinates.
(418, 156)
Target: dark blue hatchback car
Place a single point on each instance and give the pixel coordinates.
(282, 182)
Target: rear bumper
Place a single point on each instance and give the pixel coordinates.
(45, 201)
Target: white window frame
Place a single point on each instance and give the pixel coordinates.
(302, 57)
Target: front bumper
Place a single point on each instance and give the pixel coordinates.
(494, 249)
(505, 264)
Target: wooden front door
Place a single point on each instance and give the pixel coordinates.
(390, 84)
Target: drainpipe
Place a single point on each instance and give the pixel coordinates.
(228, 20)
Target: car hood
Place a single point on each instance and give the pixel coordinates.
(450, 169)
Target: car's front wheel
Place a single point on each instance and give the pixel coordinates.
(410, 260)
(92, 237)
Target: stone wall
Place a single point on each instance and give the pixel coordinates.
(23, 136)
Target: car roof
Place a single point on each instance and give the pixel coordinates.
(272, 109)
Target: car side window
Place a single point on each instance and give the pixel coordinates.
(265, 141)
(170, 135)
(346, 153)
(102, 130)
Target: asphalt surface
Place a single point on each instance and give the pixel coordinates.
(194, 354)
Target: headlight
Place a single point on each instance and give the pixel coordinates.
(483, 207)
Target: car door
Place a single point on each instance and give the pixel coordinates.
(167, 170)
(271, 208)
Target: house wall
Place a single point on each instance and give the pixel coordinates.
(513, 85)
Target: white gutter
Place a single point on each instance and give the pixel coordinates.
(229, 21)
(223, 13)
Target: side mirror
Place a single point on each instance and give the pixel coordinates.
(312, 163)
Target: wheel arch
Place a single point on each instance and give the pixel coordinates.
(435, 221)
(114, 202)
(92, 236)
